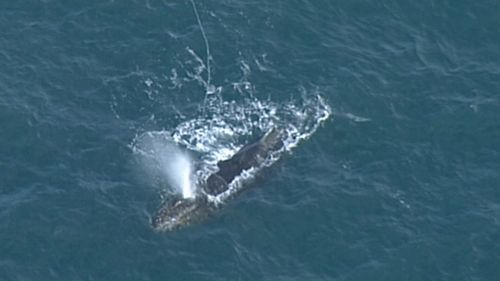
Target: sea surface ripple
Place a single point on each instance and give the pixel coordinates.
(401, 182)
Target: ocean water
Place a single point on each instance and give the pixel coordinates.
(395, 107)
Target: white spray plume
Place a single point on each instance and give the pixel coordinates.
(165, 161)
(179, 171)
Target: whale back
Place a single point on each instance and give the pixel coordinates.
(250, 155)
(180, 212)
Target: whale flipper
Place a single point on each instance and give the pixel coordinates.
(250, 155)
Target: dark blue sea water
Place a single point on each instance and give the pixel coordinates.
(401, 182)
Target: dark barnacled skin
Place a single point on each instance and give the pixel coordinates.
(179, 212)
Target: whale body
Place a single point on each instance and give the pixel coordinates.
(180, 212)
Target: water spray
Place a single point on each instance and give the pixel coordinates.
(166, 161)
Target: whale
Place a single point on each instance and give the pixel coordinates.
(179, 212)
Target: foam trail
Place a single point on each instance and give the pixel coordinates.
(207, 48)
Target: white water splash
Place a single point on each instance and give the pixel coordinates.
(219, 137)
(218, 133)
